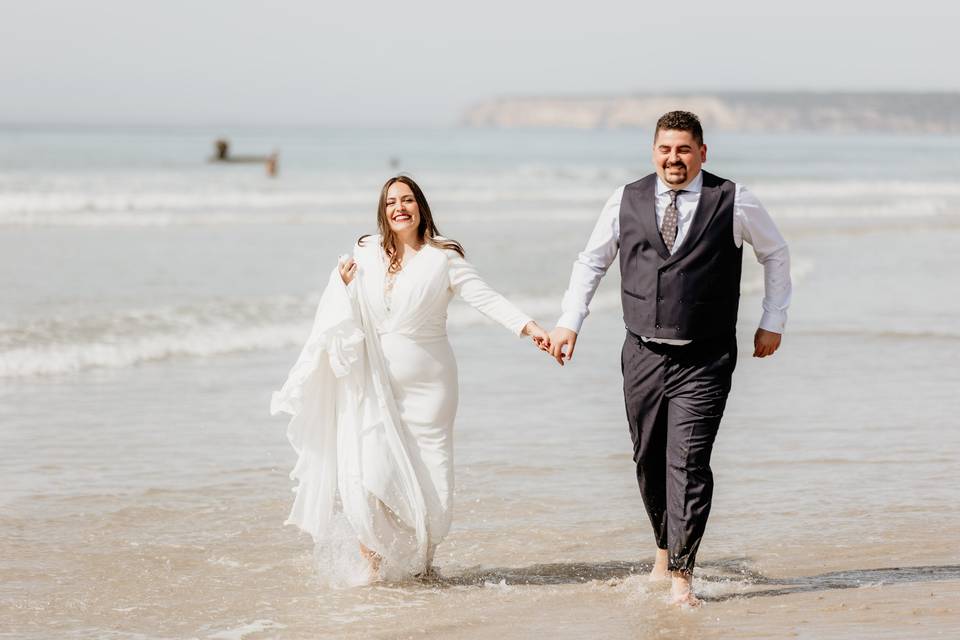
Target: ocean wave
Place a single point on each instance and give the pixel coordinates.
(24, 204)
(28, 202)
(872, 190)
(241, 218)
(131, 337)
(126, 338)
(168, 219)
(70, 344)
(536, 212)
(860, 332)
(533, 193)
(23, 199)
(904, 209)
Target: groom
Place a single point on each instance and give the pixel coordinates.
(680, 234)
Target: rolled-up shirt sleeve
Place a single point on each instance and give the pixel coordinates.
(591, 265)
(752, 224)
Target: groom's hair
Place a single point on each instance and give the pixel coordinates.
(680, 121)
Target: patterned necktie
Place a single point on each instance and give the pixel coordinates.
(668, 230)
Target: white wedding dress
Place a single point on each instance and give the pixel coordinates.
(373, 398)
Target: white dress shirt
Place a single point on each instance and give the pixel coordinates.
(751, 223)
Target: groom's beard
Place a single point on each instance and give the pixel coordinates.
(681, 175)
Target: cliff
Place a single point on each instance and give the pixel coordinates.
(761, 112)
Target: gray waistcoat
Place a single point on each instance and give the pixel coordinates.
(694, 293)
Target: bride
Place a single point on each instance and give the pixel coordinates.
(373, 394)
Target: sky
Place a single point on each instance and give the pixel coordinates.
(423, 63)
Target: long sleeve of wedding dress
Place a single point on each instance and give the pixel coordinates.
(466, 282)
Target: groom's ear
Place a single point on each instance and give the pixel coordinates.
(703, 153)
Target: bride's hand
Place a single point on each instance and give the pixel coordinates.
(348, 268)
(540, 337)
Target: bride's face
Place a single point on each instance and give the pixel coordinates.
(403, 214)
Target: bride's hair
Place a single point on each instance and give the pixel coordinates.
(427, 231)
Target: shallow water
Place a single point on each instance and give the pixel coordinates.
(143, 483)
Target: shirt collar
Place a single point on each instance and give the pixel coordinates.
(693, 187)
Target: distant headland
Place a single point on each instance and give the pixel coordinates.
(746, 111)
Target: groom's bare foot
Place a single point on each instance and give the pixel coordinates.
(659, 571)
(429, 574)
(681, 590)
(686, 600)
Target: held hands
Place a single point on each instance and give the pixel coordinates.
(558, 343)
(347, 267)
(561, 343)
(538, 334)
(765, 343)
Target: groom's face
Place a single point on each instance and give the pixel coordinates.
(677, 157)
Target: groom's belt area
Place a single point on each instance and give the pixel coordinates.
(712, 344)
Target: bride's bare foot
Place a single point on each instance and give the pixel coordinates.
(659, 571)
(681, 590)
(373, 558)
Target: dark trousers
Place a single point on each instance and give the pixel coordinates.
(675, 396)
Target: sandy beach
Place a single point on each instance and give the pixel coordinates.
(150, 309)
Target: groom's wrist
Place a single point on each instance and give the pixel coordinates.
(571, 321)
(773, 321)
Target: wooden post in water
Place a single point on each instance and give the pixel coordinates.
(222, 154)
(223, 149)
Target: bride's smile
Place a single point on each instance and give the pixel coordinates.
(402, 209)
